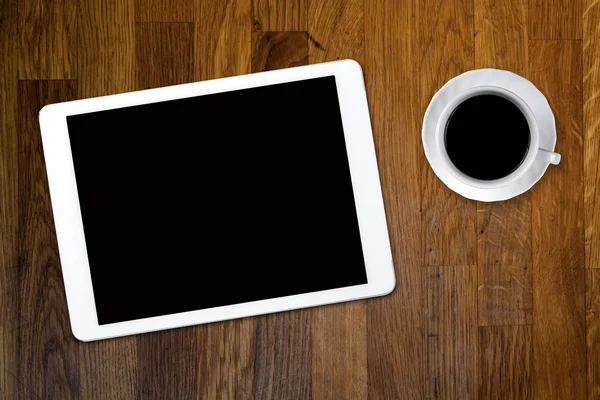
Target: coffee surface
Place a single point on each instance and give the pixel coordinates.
(487, 137)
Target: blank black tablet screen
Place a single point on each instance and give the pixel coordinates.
(215, 200)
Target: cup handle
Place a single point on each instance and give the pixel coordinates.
(548, 156)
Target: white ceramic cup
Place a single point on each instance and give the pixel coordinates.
(534, 152)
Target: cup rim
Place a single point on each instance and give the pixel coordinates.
(533, 134)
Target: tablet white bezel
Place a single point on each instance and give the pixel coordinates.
(363, 170)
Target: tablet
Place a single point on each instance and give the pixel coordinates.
(216, 200)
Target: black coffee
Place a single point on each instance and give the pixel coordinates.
(487, 137)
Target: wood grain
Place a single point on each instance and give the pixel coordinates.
(591, 131)
(558, 248)
(449, 220)
(282, 368)
(280, 15)
(592, 310)
(275, 50)
(108, 369)
(106, 47)
(336, 30)
(451, 332)
(167, 364)
(164, 10)
(223, 43)
(505, 362)
(164, 54)
(376, 349)
(48, 361)
(501, 35)
(395, 323)
(47, 31)
(555, 19)
(226, 368)
(505, 273)
(339, 337)
(591, 153)
(339, 331)
(9, 201)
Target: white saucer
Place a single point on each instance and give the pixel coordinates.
(509, 81)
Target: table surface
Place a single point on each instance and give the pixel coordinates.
(493, 300)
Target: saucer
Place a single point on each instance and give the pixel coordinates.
(489, 77)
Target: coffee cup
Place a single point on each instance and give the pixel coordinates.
(488, 137)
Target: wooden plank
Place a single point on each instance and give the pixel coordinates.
(48, 361)
(396, 347)
(280, 15)
(282, 367)
(227, 361)
(164, 54)
(168, 364)
(591, 131)
(9, 201)
(164, 10)
(105, 47)
(339, 351)
(505, 273)
(326, 19)
(449, 220)
(592, 309)
(505, 362)
(449, 223)
(106, 65)
(283, 341)
(222, 38)
(275, 50)
(108, 369)
(451, 332)
(558, 248)
(47, 30)
(339, 331)
(501, 35)
(555, 19)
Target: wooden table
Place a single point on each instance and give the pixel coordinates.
(493, 300)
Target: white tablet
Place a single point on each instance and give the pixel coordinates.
(216, 200)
